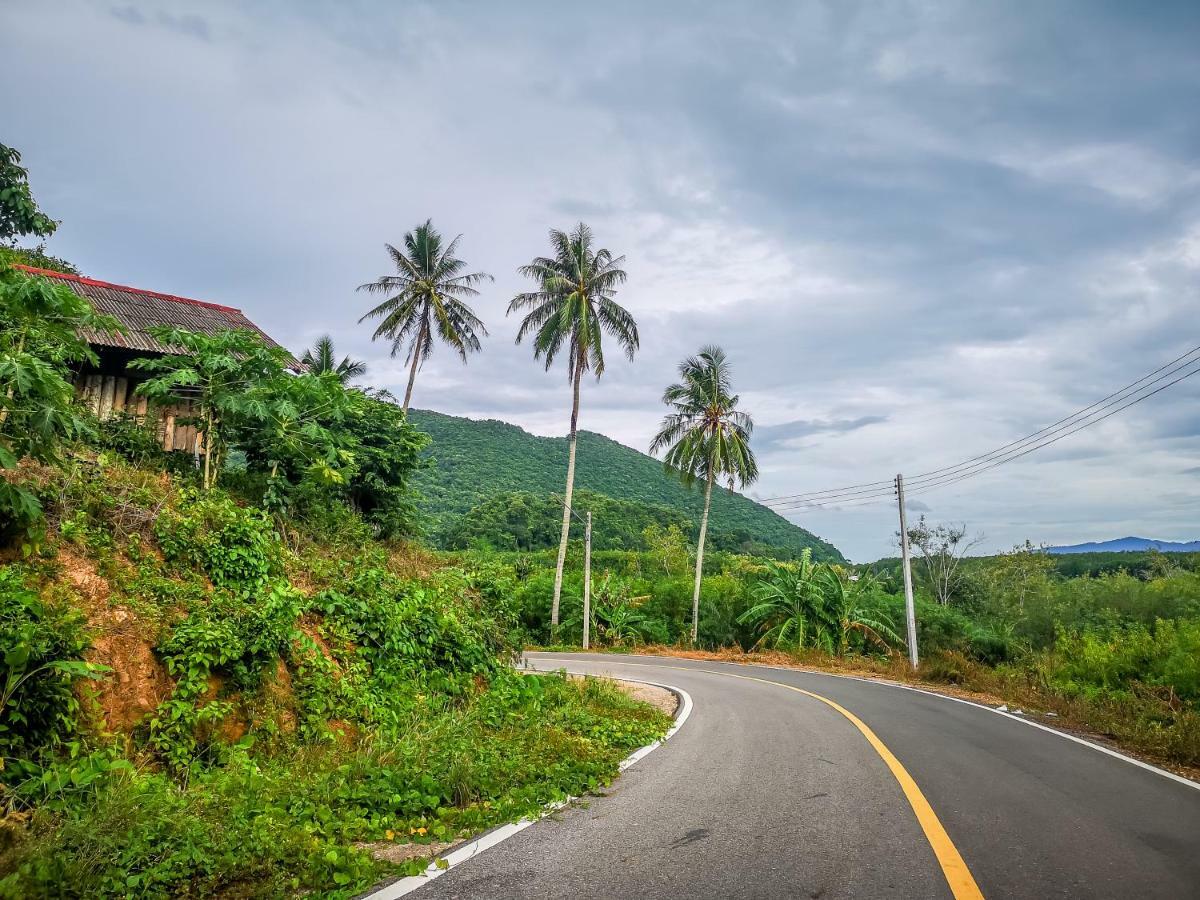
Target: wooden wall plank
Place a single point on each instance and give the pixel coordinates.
(93, 394)
(107, 386)
(120, 392)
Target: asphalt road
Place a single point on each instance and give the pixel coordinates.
(767, 792)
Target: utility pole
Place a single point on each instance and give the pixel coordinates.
(587, 581)
(909, 612)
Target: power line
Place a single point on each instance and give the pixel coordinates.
(954, 477)
(1097, 407)
(1122, 399)
(1046, 443)
(1123, 393)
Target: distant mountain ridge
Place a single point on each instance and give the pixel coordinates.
(1128, 545)
(479, 459)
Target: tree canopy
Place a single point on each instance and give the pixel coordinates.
(426, 298)
(19, 213)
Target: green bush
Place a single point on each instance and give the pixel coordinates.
(235, 548)
(42, 645)
(1117, 659)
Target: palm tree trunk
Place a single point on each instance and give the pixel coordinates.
(700, 559)
(412, 371)
(566, 522)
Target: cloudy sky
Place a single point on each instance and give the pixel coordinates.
(920, 230)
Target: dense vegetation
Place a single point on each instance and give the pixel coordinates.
(230, 679)
(283, 719)
(476, 460)
(522, 521)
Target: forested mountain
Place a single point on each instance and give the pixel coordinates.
(477, 460)
(1128, 545)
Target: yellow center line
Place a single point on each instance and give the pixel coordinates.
(958, 876)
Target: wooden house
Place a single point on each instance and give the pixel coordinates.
(108, 388)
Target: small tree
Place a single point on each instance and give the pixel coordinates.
(387, 452)
(39, 338)
(293, 428)
(942, 550)
(19, 214)
(1020, 573)
(668, 546)
(807, 604)
(222, 374)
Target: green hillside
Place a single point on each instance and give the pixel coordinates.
(476, 460)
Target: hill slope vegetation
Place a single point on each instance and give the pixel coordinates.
(477, 460)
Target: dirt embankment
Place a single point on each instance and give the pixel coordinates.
(138, 682)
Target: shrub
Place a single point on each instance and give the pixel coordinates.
(42, 646)
(236, 548)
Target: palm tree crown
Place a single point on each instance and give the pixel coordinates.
(707, 433)
(573, 304)
(320, 359)
(426, 296)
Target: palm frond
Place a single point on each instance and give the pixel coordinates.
(572, 306)
(426, 295)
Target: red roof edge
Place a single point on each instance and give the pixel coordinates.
(50, 273)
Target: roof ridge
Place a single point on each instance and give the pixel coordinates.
(95, 282)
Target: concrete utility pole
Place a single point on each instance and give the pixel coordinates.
(587, 581)
(909, 611)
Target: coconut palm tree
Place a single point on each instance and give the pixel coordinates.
(426, 297)
(320, 359)
(707, 437)
(571, 308)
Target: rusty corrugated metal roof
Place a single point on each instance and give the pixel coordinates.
(137, 310)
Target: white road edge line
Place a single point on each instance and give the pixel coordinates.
(1024, 720)
(1108, 751)
(498, 835)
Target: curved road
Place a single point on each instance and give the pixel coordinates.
(772, 792)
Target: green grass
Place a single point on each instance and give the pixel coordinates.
(294, 823)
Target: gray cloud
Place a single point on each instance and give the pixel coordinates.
(770, 437)
(953, 223)
(192, 25)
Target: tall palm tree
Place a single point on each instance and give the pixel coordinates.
(320, 359)
(573, 307)
(707, 437)
(426, 295)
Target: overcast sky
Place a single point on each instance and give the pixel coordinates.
(920, 230)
